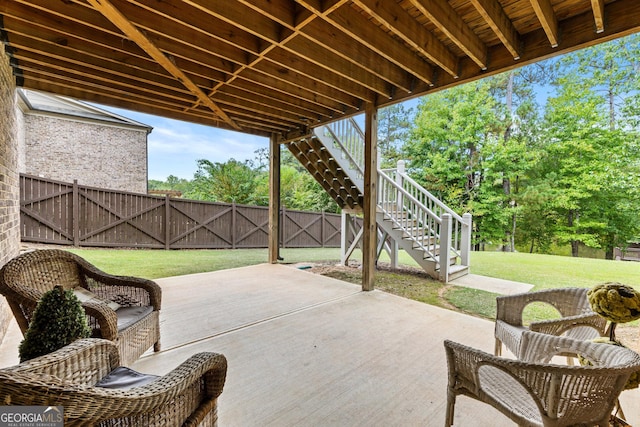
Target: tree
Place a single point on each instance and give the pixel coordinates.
(448, 147)
(298, 189)
(512, 155)
(593, 143)
(610, 69)
(172, 183)
(394, 125)
(231, 182)
(580, 150)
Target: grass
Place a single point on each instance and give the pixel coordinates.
(549, 271)
(543, 271)
(154, 264)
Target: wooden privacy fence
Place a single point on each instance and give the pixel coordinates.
(70, 214)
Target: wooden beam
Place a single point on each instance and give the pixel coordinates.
(320, 53)
(362, 31)
(398, 21)
(131, 31)
(598, 14)
(340, 44)
(314, 95)
(314, 88)
(308, 69)
(548, 20)
(274, 198)
(452, 25)
(577, 33)
(500, 23)
(158, 21)
(198, 22)
(327, 62)
(370, 227)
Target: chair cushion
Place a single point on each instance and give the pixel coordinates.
(127, 316)
(124, 378)
(85, 295)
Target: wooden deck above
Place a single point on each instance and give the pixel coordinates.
(284, 66)
(307, 350)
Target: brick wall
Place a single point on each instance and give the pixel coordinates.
(9, 183)
(96, 155)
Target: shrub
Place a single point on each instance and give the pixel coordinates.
(58, 320)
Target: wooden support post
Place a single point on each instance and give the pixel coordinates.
(76, 214)
(274, 198)
(167, 222)
(370, 227)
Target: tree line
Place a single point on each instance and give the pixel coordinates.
(247, 183)
(544, 155)
(564, 172)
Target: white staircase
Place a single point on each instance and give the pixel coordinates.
(410, 217)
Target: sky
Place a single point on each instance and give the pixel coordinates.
(174, 147)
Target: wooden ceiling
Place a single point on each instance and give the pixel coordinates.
(283, 66)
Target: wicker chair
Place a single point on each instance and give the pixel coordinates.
(134, 327)
(542, 394)
(187, 396)
(577, 319)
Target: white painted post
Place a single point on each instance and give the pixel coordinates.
(344, 237)
(400, 168)
(393, 256)
(445, 247)
(465, 239)
(400, 181)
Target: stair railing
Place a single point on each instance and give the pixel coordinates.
(348, 135)
(438, 230)
(460, 225)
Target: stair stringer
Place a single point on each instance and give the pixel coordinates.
(341, 157)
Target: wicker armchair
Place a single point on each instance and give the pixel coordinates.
(134, 327)
(542, 394)
(187, 396)
(577, 319)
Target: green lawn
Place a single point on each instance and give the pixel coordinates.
(549, 271)
(153, 264)
(543, 271)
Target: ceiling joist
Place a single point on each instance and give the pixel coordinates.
(119, 20)
(546, 15)
(598, 14)
(284, 66)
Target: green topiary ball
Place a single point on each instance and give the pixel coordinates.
(58, 320)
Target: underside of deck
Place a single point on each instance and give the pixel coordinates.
(307, 350)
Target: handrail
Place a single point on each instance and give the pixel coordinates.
(348, 135)
(420, 224)
(431, 197)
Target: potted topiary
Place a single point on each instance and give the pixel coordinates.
(58, 320)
